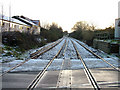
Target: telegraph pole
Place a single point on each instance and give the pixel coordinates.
(1, 29)
(2, 20)
(9, 16)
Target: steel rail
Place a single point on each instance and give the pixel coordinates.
(33, 54)
(36, 80)
(36, 56)
(108, 55)
(33, 57)
(99, 56)
(89, 74)
(65, 49)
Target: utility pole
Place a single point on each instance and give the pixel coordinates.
(9, 16)
(1, 29)
(2, 20)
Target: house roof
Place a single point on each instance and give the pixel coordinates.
(11, 20)
(36, 22)
(25, 20)
(20, 20)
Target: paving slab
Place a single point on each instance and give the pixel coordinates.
(74, 79)
(18, 80)
(68, 79)
(79, 79)
(106, 77)
(64, 79)
(49, 80)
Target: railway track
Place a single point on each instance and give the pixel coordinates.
(65, 49)
(44, 49)
(87, 71)
(115, 68)
(36, 80)
(38, 53)
(66, 76)
(34, 55)
(107, 55)
(62, 68)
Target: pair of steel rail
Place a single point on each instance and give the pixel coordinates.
(116, 68)
(87, 71)
(36, 80)
(34, 55)
(34, 83)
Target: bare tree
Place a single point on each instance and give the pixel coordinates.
(83, 30)
(46, 26)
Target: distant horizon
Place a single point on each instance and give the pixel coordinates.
(102, 13)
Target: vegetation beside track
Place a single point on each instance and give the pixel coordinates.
(15, 43)
(87, 32)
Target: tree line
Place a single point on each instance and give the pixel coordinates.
(51, 32)
(86, 32)
(25, 41)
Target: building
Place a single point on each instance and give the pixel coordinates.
(10, 24)
(104, 34)
(34, 27)
(117, 28)
(36, 22)
(117, 31)
(18, 24)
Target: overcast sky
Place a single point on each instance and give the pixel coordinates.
(65, 13)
